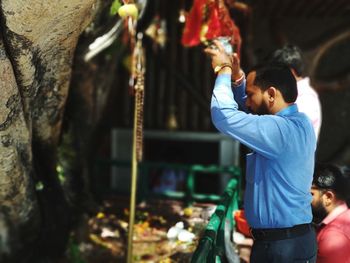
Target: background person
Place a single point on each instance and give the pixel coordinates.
(330, 189)
(307, 100)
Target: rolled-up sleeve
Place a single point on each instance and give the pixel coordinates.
(240, 95)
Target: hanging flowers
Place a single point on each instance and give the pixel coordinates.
(157, 31)
(128, 10)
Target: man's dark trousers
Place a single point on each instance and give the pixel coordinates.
(297, 249)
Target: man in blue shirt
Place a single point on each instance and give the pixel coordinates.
(277, 198)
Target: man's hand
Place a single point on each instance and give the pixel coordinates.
(237, 72)
(218, 55)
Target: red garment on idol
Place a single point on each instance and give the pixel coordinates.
(209, 19)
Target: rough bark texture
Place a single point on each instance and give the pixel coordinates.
(16, 188)
(38, 40)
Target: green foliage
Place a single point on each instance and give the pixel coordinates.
(66, 157)
(74, 252)
(61, 175)
(114, 8)
(39, 186)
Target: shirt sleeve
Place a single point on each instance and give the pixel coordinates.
(263, 134)
(240, 95)
(333, 247)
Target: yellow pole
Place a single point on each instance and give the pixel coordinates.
(138, 60)
(133, 187)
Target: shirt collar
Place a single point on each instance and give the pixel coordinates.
(335, 213)
(293, 108)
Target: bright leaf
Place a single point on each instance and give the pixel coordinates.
(115, 6)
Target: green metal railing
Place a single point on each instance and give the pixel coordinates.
(215, 245)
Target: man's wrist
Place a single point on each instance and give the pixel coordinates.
(236, 76)
(224, 68)
(237, 81)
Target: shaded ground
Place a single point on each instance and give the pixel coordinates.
(103, 237)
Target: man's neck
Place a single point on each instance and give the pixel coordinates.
(335, 205)
(297, 78)
(334, 211)
(279, 107)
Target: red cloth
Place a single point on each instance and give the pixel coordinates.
(242, 224)
(209, 19)
(333, 237)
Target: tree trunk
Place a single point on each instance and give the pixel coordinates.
(37, 44)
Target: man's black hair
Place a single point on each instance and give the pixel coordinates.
(334, 178)
(291, 56)
(278, 76)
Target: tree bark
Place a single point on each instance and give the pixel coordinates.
(37, 44)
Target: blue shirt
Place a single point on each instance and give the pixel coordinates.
(280, 168)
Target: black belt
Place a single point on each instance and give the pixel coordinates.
(272, 234)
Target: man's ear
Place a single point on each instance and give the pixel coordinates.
(272, 93)
(329, 197)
